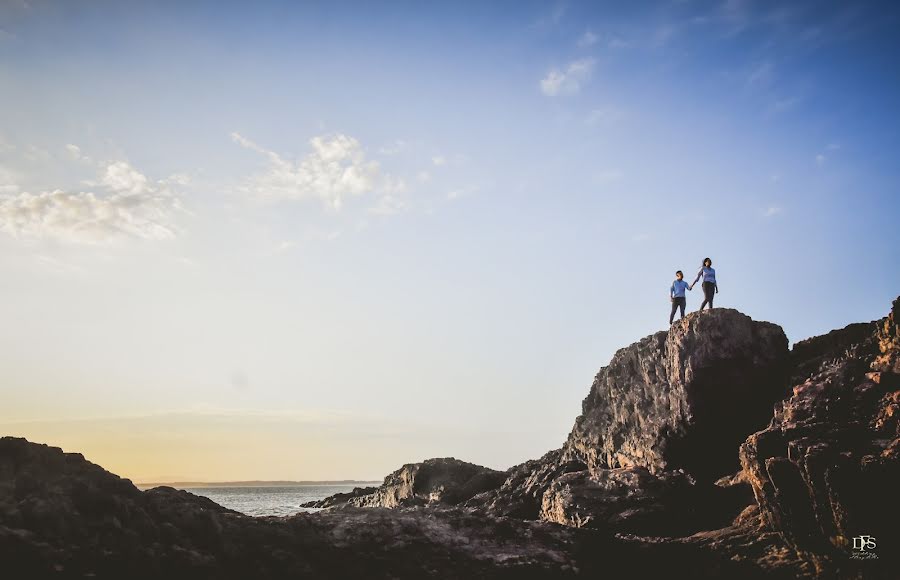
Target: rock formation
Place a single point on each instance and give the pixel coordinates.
(446, 480)
(684, 398)
(676, 465)
(827, 468)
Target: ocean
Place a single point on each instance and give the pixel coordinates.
(274, 500)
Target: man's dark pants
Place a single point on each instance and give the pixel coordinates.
(677, 303)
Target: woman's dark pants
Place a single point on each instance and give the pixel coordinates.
(709, 292)
(677, 303)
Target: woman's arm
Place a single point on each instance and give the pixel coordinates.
(700, 273)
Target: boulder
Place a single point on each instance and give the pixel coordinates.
(685, 398)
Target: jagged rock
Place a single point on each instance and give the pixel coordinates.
(827, 468)
(628, 499)
(685, 398)
(445, 480)
(521, 494)
(340, 498)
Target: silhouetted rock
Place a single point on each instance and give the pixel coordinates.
(340, 498)
(440, 480)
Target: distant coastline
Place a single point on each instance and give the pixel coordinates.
(201, 484)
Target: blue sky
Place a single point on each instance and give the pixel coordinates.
(363, 234)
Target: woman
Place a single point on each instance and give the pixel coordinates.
(710, 287)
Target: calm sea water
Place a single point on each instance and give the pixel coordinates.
(272, 501)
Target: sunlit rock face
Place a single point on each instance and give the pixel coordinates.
(684, 398)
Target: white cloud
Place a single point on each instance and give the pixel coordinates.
(74, 151)
(567, 81)
(772, 211)
(335, 168)
(388, 205)
(588, 39)
(134, 208)
(121, 177)
(820, 160)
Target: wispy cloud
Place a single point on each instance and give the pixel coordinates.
(761, 74)
(603, 116)
(783, 105)
(336, 168)
(772, 211)
(130, 206)
(588, 39)
(568, 80)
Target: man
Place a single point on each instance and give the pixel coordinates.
(676, 295)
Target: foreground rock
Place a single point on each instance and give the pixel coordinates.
(827, 469)
(63, 517)
(441, 480)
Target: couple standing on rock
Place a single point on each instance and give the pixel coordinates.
(710, 288)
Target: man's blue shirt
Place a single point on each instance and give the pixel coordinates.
(678, 288)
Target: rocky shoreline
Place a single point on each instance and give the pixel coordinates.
(677, 466)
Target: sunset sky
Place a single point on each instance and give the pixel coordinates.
(278, 240)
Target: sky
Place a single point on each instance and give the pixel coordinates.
(283, 240)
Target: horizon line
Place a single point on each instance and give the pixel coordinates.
(253, 483)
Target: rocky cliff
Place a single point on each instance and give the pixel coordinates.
(709, 449)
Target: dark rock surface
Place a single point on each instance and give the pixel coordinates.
(522, 494)
(340, 499)
(827, 469)
(646, 485)
(627, 499)
(63, 517)
(444, 480)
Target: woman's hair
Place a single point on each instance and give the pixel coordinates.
(705, 260)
